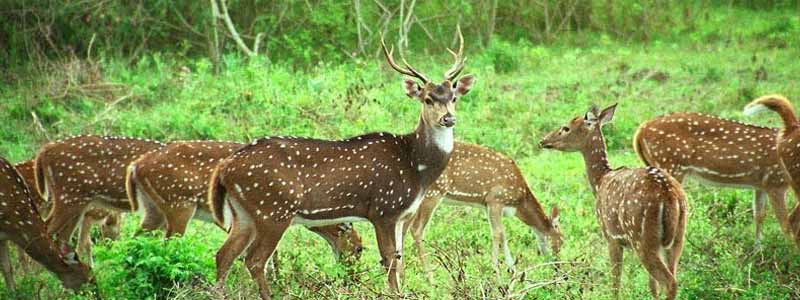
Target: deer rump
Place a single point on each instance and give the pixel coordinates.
(629, 217)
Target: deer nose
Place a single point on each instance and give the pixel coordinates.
(449, 120)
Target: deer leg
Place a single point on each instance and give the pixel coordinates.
(389, 236)
(64, 216)
(675, 251)
(5, 262)
(260, 251)
(152, 217)
(274, 265)
(178, 219)
(25, 262)
(777, 199)
(615, 253)
(759, 212)
(239, 238)
(499, 242)
(650, 256)
(418, 225)
(85, 241)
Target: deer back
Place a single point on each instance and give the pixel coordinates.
(91, 166)
(474, 171)
(368, 176)
(179, 172)
(722, 151)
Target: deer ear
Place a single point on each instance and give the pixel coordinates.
(590, 118)
(413, 90)
(71, 258)
(554, 216)
(464, 84)
(608, 114)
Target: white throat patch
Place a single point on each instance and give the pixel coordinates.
(443, 138)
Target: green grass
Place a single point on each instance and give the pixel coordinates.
(522, 92)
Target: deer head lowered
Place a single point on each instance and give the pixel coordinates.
(108, 221)
(21, 224)
(275, 182)
(169, 187)
(477, 176)
(788, 143)
(642, 208)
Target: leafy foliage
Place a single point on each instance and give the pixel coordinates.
(147, 267)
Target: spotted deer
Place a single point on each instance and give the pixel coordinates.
(718, 151)
(108, 221)
(640, 208)
(483, 178)
(21, 224)
(81, 172)
(788, 143)
(275, 182)
(169, 187)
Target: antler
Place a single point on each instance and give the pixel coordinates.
(408, 70)
(458, 65)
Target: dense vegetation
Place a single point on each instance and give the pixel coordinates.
(148, 70)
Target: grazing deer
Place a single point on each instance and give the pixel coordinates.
(480, 177)
(718, 151)
(108, 221)
(21, 224)
(78, 171)
(641, 208)
(788, 149)
(275, 182)
(169, 186)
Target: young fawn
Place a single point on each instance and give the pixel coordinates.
(718, 151)
(278, 181)
(169, 187)
(788, 149)
(641, 208)
(21, 224)
(108, 221)
(476, 176)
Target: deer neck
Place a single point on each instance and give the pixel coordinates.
(431, 147)
(596, 159)
(47, 254)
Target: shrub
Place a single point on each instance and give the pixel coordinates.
(148, 267)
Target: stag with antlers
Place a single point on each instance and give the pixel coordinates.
(641, 208)
(275, 182)
(788, 143)
(21, 224)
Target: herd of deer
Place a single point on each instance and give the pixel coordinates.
(256, 191)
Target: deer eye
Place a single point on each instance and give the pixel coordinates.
(428, 101)
(565, 129)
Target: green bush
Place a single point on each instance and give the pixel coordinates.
(148, 267)
(502, 55)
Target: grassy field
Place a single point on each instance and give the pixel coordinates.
(522, 92)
